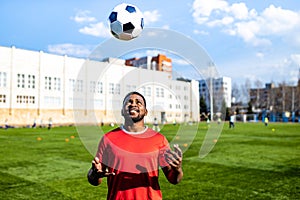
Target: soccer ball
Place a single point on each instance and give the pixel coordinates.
(126, 21)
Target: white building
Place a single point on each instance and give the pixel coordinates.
(220, 88)
(38, 86)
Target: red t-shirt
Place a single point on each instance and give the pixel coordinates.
(135, 159)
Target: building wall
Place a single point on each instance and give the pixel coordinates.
(279, 99)
(37, 86)
(221, 89)
(158, 63)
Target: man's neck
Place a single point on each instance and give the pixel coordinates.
(134, 127)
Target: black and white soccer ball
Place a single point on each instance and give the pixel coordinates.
(126, 21)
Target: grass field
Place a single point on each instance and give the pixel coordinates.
(250, 161)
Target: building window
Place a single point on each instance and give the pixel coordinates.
(31, 81)
(21, 81)
(79, 84)
(47, 83)
(130, 88)
(111, 88)
(157, 92)
(148, 91)
(75, 85)
(24, 99)
(3, 78)
(2, 98)
(143, 89)
(162, 92)
(52, 83)
(56, 84)
(48, 100)
(93, 86)
(118, 89)
(99, 87)
(72, 85)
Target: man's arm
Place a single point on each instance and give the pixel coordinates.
(97, 172)
(93, 177)
(173, 176)
(174, 172)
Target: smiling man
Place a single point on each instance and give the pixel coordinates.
(130, 156)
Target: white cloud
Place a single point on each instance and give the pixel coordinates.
(82, 16)
(97, 29)
(249, 31)
(165, 27)
(204, 8)
(151, 16)
(180, 61)
(200, 32)
(253, 27)
(296, 58)
(70, 49)
(90, 25)
(155, 52)
(277, 70)
(275, 20)
(287, 70)
(260, 55)
(101, 30)
(239, 11)
(221, 22)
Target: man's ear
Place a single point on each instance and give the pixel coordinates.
(146, 112)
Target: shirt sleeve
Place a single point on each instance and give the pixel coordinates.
(101, 150)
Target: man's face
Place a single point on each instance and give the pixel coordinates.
(134, 108)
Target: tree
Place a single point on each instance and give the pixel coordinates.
(227, 114)
(258, 84)
(249, 109)
(203, 106)
(236, 93)
(223, 109)
(245, 90)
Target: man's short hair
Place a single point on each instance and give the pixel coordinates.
(137, 93)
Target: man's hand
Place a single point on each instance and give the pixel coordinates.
(97, 172)
(174, 158)
(97, 167)
(174, 171)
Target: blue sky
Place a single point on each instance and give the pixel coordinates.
(247, 40)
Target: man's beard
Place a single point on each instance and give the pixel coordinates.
(134, 119)
(137, 119)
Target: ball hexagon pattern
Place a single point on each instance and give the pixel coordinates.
(126, 21)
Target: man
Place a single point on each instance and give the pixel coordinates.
(130, 156)
(231, 121)
(266, 121)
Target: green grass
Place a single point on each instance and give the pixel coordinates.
(250, 161)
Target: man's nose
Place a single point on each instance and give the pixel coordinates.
(133, 103)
